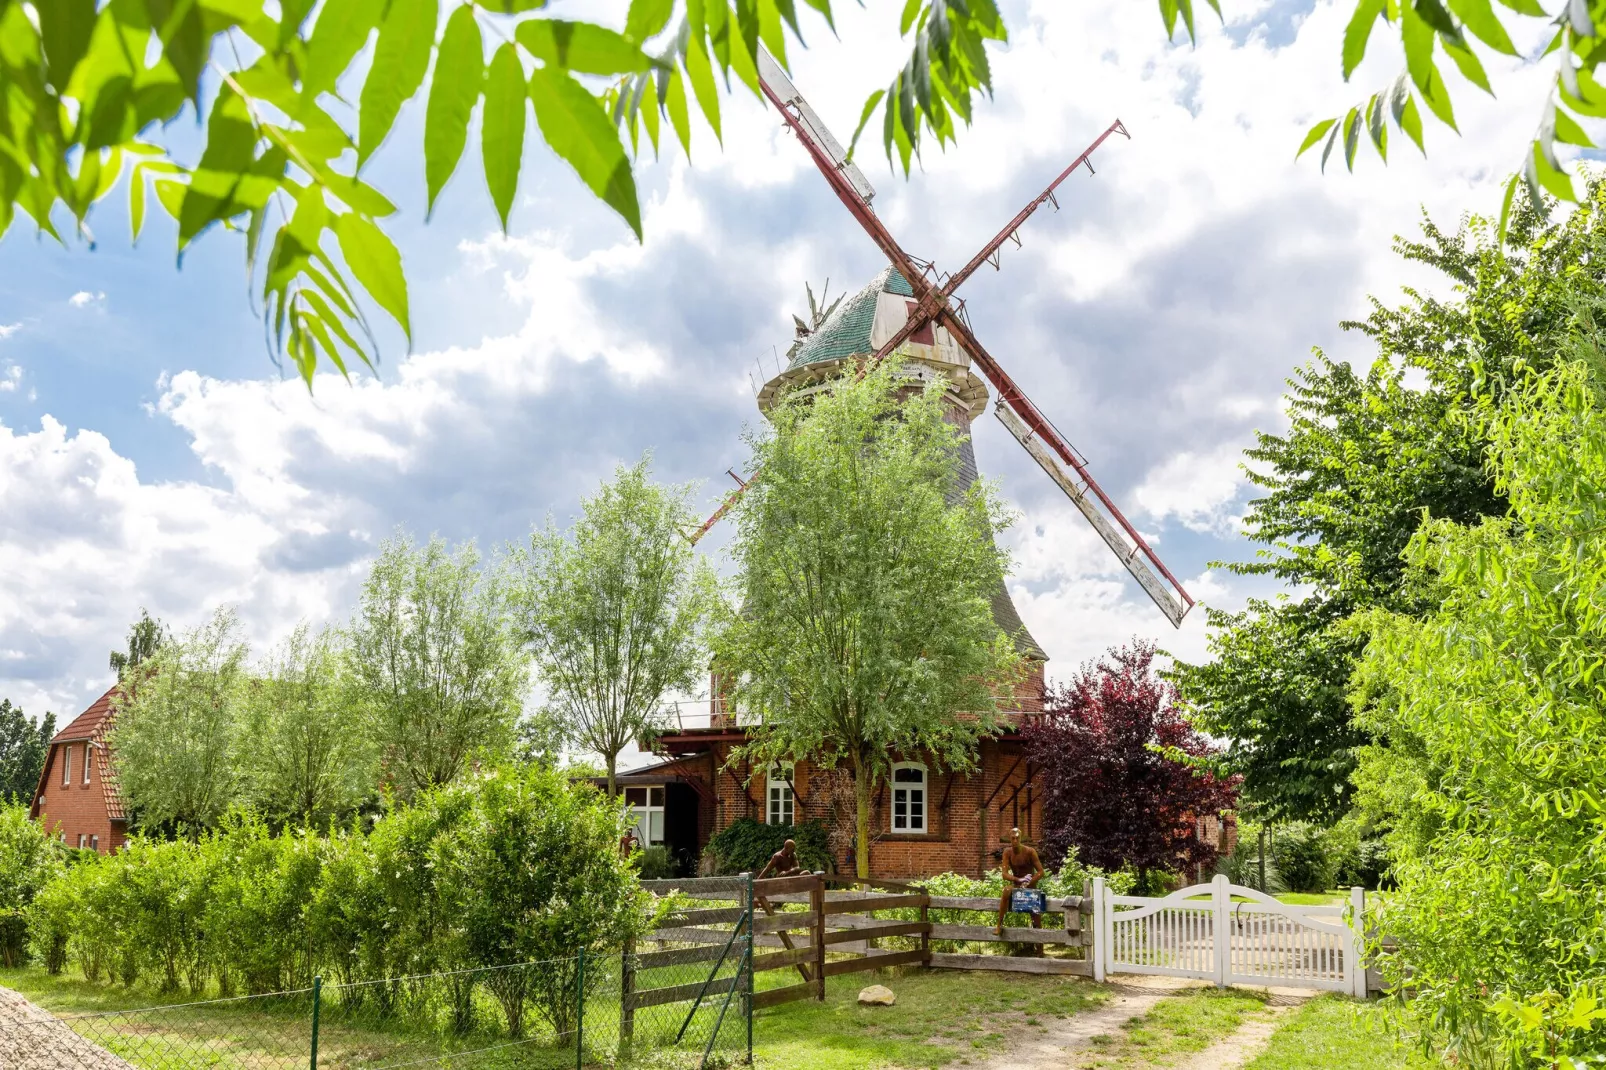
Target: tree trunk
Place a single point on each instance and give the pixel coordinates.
(613, 761)
(861, 803)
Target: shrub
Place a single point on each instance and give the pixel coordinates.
(745, 845)
(1304, 855)
(29, 858)
(654, 864)
(1366, 865)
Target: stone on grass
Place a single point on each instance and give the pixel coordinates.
(877, 996)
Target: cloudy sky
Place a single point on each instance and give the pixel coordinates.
(151, 454)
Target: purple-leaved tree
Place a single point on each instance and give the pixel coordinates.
(1114, 788)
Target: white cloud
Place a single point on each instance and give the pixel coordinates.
(1155, 318)
(1199, 490)
(10, 379)
(9, 329)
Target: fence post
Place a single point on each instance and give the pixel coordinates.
(580, 1008)
(749, 993)
(925, 930)
(1222, 894)
(317, 998)
(1100, 930)
(627, 988)
(817, 907)
(1353, 954)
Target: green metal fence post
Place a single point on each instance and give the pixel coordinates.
(749, 969)
(580, 1009)
(317, 999)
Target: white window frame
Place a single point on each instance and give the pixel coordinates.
(643, 816)
(908, 794)
(89, 751)
(66, 765)
(780, 801)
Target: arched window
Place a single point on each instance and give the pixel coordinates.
(779, 801)
(908, 798)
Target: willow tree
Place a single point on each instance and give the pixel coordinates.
(865, 629)
(613, 610)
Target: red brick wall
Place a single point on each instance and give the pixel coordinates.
(959, 839)
(77, 809)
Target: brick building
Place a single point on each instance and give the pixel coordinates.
(77, 799)
(926, 820)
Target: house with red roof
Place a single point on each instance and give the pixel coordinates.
(77, 798)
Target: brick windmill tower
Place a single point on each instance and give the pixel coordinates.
(852, 334)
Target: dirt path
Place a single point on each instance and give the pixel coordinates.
(1234, 1051)
(1137, 996)
(31, 1038)
(1133, 996)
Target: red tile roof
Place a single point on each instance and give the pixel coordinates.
(94, 725)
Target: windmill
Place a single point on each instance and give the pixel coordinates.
(937, 325)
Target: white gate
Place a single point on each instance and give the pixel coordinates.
(1229, 934)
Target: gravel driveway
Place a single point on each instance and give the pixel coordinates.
(31, 1038)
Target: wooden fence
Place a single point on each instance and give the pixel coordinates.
(824, 928)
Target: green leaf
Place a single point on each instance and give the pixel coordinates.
(1418, 38)
(1411, 123)
(502, 137)
(453, 92)
(1311, 138)
(1531, 8)
(230, 151)
(1327, 150)
(376, 263)
(577, 129)
(1359, 30)
(864, 118)
(1553, 180)
(1505, 212)
(1479, 17)
(401, 59)
(1568, 130)
(675, 104)
(65, 27)
(1377, 128)
(1434, 14)
(701, 76)
(510, 7)
(1352, 137)
(580, 46)
(649, 110)
(342, 29)
(647, 19)
(1471, 68)
(911, 10)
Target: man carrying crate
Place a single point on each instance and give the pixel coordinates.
(1022, 869)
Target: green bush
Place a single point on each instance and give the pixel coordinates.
(28, 860)
(654, 863)
(745, 845)
(1365, 865)
(513, 865)
(1304, 855)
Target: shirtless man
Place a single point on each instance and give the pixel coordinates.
(783, 862)
(1022, 869)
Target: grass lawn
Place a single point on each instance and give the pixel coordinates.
(1175, 1028)
(942, 1018)
(1334, 1033)
(1314, 899)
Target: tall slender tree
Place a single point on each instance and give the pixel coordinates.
(176, 725)
(145, 637)
(301, 756)
(23, 745)
(439, 671)
(865, 628)
(613, 611)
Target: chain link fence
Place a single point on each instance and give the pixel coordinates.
(667, 1003)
